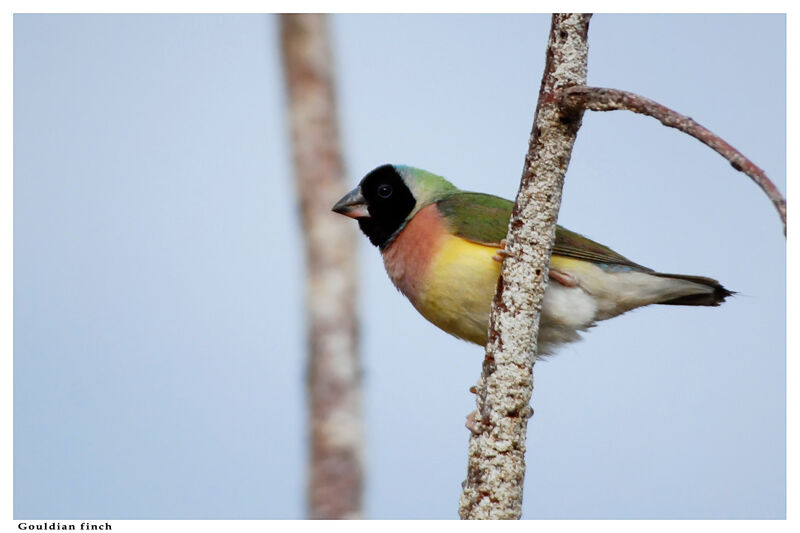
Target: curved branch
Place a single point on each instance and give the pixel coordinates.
(601, 99)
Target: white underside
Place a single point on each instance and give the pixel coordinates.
(565, 312)
(601, 295)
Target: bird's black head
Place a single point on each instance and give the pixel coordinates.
(381, 203)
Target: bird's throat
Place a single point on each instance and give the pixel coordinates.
(409, 256)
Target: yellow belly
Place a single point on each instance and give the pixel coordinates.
(460, 285)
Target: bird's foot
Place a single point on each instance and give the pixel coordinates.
(567, 280)
(474, 423)
(501, 252)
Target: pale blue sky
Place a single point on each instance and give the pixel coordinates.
(159, 356)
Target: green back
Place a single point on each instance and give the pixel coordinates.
(477, 217)
(483, 219)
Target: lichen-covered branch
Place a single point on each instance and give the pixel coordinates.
(334, 374)
(601, 99)
(496, 469)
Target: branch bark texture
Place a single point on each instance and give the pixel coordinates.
(496, 468)
(334, 373)
(600, 99)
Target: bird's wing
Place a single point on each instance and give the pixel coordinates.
(483, 219)
(476, 217)
(576, 246)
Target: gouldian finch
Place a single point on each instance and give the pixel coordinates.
(442, 248)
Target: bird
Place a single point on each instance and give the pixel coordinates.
(443, 250)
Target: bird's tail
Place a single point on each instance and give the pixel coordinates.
(709, 291)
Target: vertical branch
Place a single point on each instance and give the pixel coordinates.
(334, 375)
(496, 468)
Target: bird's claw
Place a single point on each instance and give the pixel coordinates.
(474, 423)
(501, 253)
(567, 280)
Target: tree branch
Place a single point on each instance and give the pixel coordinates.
(334, 373)
(496, 468)
(600, 99)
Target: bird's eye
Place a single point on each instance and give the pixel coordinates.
(385, 191)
